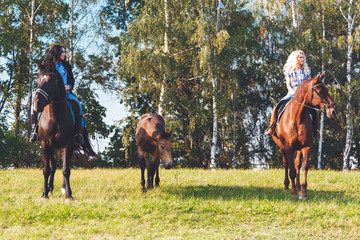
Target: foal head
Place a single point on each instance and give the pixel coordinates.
(164, 149)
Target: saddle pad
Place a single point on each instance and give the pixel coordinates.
(71, 111)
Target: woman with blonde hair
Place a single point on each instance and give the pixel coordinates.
(296, 71)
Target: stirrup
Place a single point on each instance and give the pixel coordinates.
(314, 134)
(34, 137)
(78, 138)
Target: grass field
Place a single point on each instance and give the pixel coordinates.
(189, 204)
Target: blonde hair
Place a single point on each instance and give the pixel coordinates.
(291, 62)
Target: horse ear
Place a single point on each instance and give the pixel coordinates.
(40, 65)
(322, 76)
(166, 135)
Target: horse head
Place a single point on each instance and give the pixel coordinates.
(164, 148)
(320, 96)
(50, 88)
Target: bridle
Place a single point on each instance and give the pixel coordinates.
(325, 105)
(43, 93)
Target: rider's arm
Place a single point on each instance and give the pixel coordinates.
(288, 85)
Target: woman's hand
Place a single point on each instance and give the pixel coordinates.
(67, 88)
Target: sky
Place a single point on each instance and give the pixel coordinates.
(114, 112)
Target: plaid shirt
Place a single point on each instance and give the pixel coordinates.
(297, 77)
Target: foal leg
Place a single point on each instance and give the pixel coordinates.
(66, 156)
(47, 154)
(142, 164)
(305, 165)
(150, 172)
(297, 168)
(157, 179)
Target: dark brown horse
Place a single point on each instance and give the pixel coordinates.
(151, 138)
(293, 134)
(56, 128)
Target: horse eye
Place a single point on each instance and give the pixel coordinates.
(162, 147)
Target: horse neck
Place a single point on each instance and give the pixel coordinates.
(56, 108)
(299, 103)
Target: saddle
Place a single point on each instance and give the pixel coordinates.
(280, 108)
(71, 104)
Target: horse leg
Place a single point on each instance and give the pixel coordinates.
(142, 164)
(52, 173)
(286, 180)
(305, 165)
(66, 156)
(47, 153)
(289, 155)
(297, 168)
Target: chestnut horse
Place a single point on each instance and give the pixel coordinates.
(56, 128)
(151, 138)
(293, 133)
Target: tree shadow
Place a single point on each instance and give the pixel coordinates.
(258, 193)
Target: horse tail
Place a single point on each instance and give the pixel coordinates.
(86, 146)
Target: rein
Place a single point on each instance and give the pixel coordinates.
(325, 105)
(44, 93)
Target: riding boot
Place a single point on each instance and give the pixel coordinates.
(316, 125)
(34, 129)
(270, 130)
(78, 138)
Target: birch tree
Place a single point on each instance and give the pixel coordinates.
(166, 51)
(322, 115)
(350, 16)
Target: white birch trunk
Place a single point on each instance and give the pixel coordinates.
(71, 35)
(31, 44)
(292, 3)
(322, 115)
(166, 51)
(215, 127)
(215, 117)
(350, 21)
(234, 135)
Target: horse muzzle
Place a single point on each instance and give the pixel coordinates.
(331, 110)
(167, 164)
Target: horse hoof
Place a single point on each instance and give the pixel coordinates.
(286, 189)
(302, 196)
(45, 196)
(63, 191)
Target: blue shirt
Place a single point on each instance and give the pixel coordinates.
(63, 72)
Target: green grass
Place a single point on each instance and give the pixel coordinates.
(189, 204)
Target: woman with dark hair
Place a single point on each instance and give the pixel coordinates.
(55, 58)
